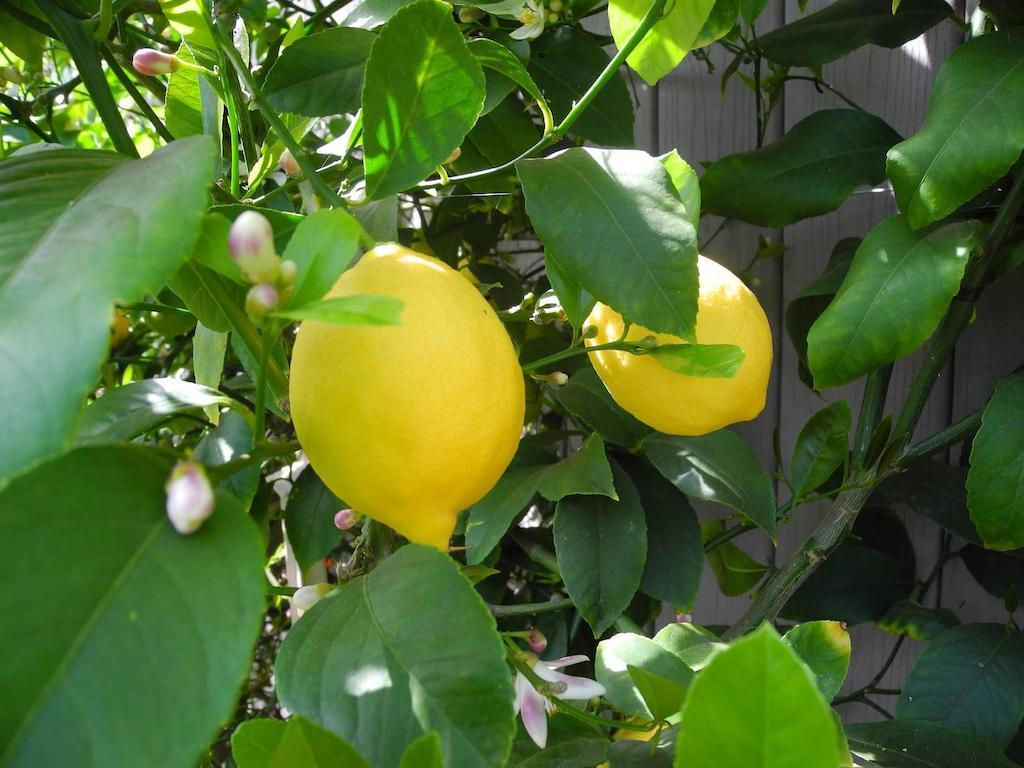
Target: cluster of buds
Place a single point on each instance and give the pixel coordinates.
(189, 497)
(251, 244)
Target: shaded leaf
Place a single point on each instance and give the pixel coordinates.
(309, 519)
(910, 618)
(264, 743)
(821, 447)
(587, 399)
(920, 744)
(619, 653)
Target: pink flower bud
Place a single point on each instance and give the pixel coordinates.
(189, 497)
(684, 618)
(308, 596)
(148, 61)
(289, 164)
(251, 242)
(261, 300)
(289, 271)
(344, 519)
(537, 641)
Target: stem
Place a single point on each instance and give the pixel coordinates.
(267, 339)
(232, 106)
(649, 19)
(871, 409)
(822, 84)
(530, 609)
(727, 535)
(163, 309)
(282, 591)
(625, 346)
(604, 722)
(538, 554)
(275, 122)
(940, 441)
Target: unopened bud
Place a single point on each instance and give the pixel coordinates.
(289, 271)
(555, 5)
(468, 15)
(455, 155)
(684, 618)
(251, 242)
(148, 61)
(537, 641)
(308, 596)
(189, 497)
(344, 519)
(553, 18)
(590, 332)
(647, 342)
(557, 379)
(261, 300)
(289, 164)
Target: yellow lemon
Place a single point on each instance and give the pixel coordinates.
(670, 402)
(412, 423)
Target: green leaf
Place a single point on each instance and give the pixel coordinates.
(616, 655)
(584, 472)
(95, 235)
(920, 744)
(668, 41)
(309, 519)
(264, 743)
(229, 441)
(861, 580)
(658, 753)
(272, 148)
(917, 622)
(576, 302)
(143, 620)
(418, 669)
(969, 677)
(821, 448)
(662, 696)
(756, 704)
(999, 573)
(691, 643)
(587, 399)
(675, 552)
(564, 64)
(996, 477)
(846, 25)
(130, 410)
(322, 246)
(720, 23)
(619, 229)
(320, 74)
(709, 361)
(735, 571)
(898, 288)
(718, 467)
(368, 14)
(193, 292)
(183, 105)
(208, 351)
(686, 182)
(424, 752)
(423, 93)
(752, 9)
(575, 752)
(601, 546)
(495, 56)
(190, 20)
(934, 490)
(365, 309)
(972, 134)
(809, 171)
(824, 646)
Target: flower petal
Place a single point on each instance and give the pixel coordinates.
(576, 688)
(532, 707)
(565, 661)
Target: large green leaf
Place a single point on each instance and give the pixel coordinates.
(898, 288)
(910, 618)
(418, 668)
(79, 233)
(995, 481)
(587, 399)
(846, 25)
(134, 408)
(494, 56)
(322, 246)
(422, 95)
(619, 229)
(264, 743)
(821, 448)
(809, 171)
(824, 646)
(920, 744)
(309, 519)
(424, 752)
(973, 131)
(368, 14)
(135, 654)
(969, 677)
(601, 546)
(934, 490)
(620, 652)
(668, 41)
(1001, 574)
(718, 467)
(321, 74)
(756, 704)
(564, 65)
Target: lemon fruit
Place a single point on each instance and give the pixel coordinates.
(411, 423)
(676, 404)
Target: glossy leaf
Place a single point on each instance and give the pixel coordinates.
(145, 618)
(996, 477)
(721, 21)
(495, 56)
(585, 471)
(920, 744)
(322, 246)
(601, 546)
(309, 519)
(686, 182)
(824, 646)
(424, 752)
(756, 704)
(710, 361)
(99, 231)
(898, 288)
(564, 65)
(693, 644)
(821, 448)
(229, 441)
(663, 697)
(616, 655)
(368, 14)
(972, 134)
(264, 743)
(846, 25)
(183, 105)
(668, 41)
(365, 309)
(619, 229)
(587, 399)
(717, 467)
(320, 74)
(423, 92)
(735, 571)
(910, 618)
(969, 677)
(809, 171)
(418, 669)
(188, 19)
